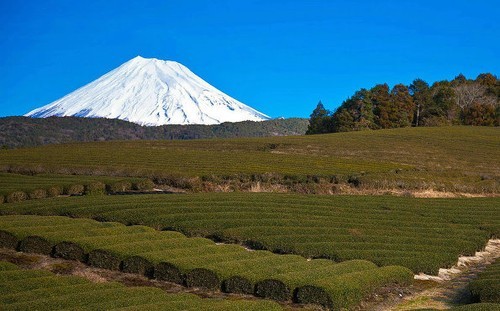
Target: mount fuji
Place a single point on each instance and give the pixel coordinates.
(151, 92)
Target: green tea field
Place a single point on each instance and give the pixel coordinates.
(458, 159)
(421, 234)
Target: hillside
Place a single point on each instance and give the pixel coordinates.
(16, 132)
(444, 159)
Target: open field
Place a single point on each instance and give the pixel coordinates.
(198, 262)
(42, 290)
(457, 159)
(421, 234)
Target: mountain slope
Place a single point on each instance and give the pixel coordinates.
(151, 92)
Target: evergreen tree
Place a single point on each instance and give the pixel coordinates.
(319, 121)
(420, 91)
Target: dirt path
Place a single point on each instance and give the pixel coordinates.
(449, 288)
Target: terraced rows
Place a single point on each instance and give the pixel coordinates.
(421, 234)
(460, 159)
(486, 288)
(42, 290)
(199, 262)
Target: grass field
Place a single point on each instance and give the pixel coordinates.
(460, 159)
(421, 234)
(42, 290)
(199, 262)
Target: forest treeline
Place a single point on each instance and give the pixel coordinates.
(460, 101)
(16, 132)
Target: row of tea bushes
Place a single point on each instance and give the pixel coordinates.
(42, 290)
(486, 288)
(199, 262)
(18, 188)
(421, 234)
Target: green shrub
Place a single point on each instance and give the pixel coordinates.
(486, 288)
(237, 285)
(165, 271)
(313, 295)
(74, 190)
(203, 278)
(138, 265)
(35, 244)
(95, 188)
(272, 289)
(37, 194)
(104, 259)
(8, 240)
(143, 185)
(69, 251)
(120, 186)
(54, 191)
(16, 196)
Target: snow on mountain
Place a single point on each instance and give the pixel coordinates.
(151, 92)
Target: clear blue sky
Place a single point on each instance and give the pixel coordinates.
(280, 57)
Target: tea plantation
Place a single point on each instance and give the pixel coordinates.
(460, 159)
(42, 290)
(486, 288)
(421, 234)
(199, 262)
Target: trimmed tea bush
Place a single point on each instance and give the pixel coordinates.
(8, 240)
(95, 188)
(104, 259)
(273, 289)
(203, 278)
(165, 271)
(54, 191)
(138, 265)
(69, 251)
(143, 185)
(486, 288)
(120, 186)
(16, 196)
(237, 285)
(35, 244)
(74, 190)
(37, 194)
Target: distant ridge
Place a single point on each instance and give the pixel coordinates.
(149, 91)
(17, 132)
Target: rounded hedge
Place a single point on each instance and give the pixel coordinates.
(272, 289)
(70, 251)
(95, 188)
(142, 185)
(16, 196)
(54, 191)
(100, 258)
(138, 265)
(237, 285)
(120, 186)
(74, 190)
(165, 271)
(37, 194)
(8, 240)
(35, 244)
(313, 295)
(203, 278)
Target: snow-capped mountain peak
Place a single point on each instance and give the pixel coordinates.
(149, 91)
